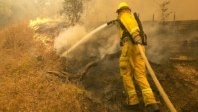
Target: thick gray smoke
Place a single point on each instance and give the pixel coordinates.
(98, 12)
(157, 49)
(101, 43)
(167, 42)
(69, 37)
(97, 44)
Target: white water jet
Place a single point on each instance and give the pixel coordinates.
(84, 39)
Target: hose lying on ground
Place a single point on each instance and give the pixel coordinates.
(159, 87)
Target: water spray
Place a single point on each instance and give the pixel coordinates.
(84, 39)
(159, 87)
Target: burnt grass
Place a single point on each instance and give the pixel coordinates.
(34, 78)
(176, 70)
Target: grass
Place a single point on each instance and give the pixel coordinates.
(24, 83)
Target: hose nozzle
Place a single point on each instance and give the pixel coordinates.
(111, 22)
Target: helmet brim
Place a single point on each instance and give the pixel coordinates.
(123, 8)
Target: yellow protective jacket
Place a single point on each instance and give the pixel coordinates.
(132, 65)
(128, 20)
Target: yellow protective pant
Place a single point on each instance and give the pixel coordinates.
(132, 67)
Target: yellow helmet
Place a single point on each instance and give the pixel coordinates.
(123, 5)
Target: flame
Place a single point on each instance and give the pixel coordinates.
(42, 36)
(34, 24)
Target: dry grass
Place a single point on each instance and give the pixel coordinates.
(188, 73)
(24, 84)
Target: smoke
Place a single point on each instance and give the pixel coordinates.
(101, 43)
(95, 10)
(97, 43)
(184, 10)
(12, 10)
(111, 46)
(107, 41)
(69, 37)
(159, 42)
(98, 12)
(165, 42)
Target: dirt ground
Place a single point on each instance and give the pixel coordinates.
(177, 73)
(35, 79)
(178, 78)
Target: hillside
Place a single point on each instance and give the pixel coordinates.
(35, 78)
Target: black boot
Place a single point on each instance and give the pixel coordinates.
(133, 108)
(152, 108)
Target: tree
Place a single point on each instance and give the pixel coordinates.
(165, 13)
(72, 10)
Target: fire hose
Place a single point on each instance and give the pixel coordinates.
(158, 85)
(153, 76)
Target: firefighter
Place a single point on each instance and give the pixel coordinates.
(132, 65)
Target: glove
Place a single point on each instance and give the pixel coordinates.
(111, 22)
(138, 40)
